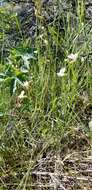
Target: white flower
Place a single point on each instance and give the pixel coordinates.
(46, 42)
(26, 84)
(61, 73)
(73, 57)
(35, 51)
(21, 96)
(82, 59)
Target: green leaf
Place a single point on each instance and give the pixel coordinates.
(12, 86)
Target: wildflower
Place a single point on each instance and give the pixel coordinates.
(73, 57)
(61, 73)
(46, 42)
(26, 84)
(35, 51)
(82, 59)
(22, 95)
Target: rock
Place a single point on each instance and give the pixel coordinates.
(50, 10)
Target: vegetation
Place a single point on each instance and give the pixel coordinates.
(45, 93)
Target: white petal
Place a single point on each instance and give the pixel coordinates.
(21, 96)
(26, 84)
(61, 73)
(82, 59)
(73, 57)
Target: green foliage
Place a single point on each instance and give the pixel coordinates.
(45, 89)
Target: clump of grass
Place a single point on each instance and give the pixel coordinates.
(48, 87)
